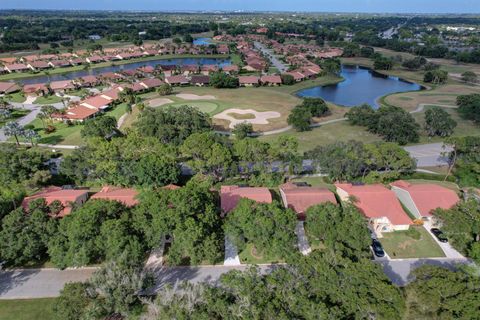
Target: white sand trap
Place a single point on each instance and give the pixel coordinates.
(158, 102)
(260, 117)
(190, 96)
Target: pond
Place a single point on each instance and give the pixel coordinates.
(202, 41)
(134, 65)
(361, 85)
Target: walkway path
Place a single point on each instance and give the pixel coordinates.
(231, 254)
(303, 245)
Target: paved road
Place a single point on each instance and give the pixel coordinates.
(398, 271)
(270, 55)
(429, 155)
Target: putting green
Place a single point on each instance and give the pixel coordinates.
(207, 107)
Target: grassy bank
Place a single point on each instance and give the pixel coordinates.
(28, 309)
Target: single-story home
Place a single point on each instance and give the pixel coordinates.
(421, 199)
(88, 81)
(248, 81)
(151, 83)
(59, 63)
(231, 69)
(300, 198)
(200, 80)
(36, 89)
(271, 80)
(127, 196)
(38, 65)
(94, 59)
(77, 113)
(231, 195)
(62, 85)
(96, 102)
(16, 67)
(177, 80)
(8, 87)
(378, 204)
(66, 197)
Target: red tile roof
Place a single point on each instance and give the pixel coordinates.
(151, 83)
(301, 198)
(271, 79)
(376, 201)
(127, 196)
(231, 195)
(429, 196)
(248, 79)
(7, 87)
(179, 79)
(78, 113)
(97, 102)
(56, 193)
(62, 85)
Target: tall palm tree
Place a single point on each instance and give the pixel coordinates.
(31, 135)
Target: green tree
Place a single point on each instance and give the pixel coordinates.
(242, 130)
(223, 80)
(13, 129)
(24, 237)
(172, 125)
(269, 227)
(438, 122)
(165, 89)
(317, 106)
(207, 153)
(461, 225)
(287, 79)
(469, 76)
(342, 230)
(436, 76)
(439, 293)
(74, 301)
(99, 127)
(300, 118)
(469, 107)
(331, 66)
(383, 63)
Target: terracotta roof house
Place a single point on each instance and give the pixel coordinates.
(233, 68)
(146, 69)
(96, 102)
(38, 65)
(94, 59)
(271, 80)
(422, 199)
(223, 49)
(188, 69)
(177, 80)
(208, 68)
(200, 80)
(111, 76)
(378, 204)
(248, 81)
(77, 113)
(59, 63)
(66, 197)
(297, 76)
(151, 83)
(300, 198)
(16, 67)
(127, 196)
(88, 81)
(112, 94)
(62, 85)
(36, 88)
(8, 87)
(231, 195)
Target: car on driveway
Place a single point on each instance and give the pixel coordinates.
(439, 234)
(377, 248)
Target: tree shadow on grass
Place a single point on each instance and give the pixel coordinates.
(51, 139)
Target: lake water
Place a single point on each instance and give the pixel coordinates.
(202, 41)
(361, 85)
(128, 66)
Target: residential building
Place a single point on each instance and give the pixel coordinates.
(67, 197)
(231, 195)
(8, 87)
(127, 196)
(301, 197)
(248, 81)
(378, 204)
(422, 198)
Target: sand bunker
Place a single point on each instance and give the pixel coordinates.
(158, 102)
(190, 96)
(260, 117)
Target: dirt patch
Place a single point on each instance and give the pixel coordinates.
(259, 117)
(158, 102)
(191, 96)
(254, 252)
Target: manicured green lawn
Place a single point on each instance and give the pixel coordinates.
(15, 114)
(70, 135)
(204, 106)
(29, 309)
(248, 256)
(318, 182)
(48, 99)
(399, 245)
(15, 97)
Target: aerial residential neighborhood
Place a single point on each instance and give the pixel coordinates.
(239, 160)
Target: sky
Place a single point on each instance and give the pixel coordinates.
(391, 6)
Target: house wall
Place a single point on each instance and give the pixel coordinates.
(407, 201)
